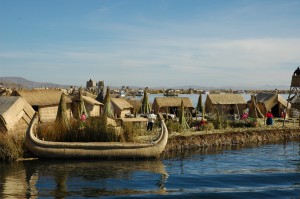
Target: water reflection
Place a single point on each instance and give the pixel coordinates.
(228, 171)
(60, 179)
(219, 149)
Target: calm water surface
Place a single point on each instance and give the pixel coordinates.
(265, 171)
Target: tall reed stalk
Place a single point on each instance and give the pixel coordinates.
(12, 147)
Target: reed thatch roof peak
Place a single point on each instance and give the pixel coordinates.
(173, 101)
(226, 98)
(121, 103)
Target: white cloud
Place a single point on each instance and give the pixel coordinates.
(225, 61)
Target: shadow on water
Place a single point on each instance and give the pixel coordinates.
(60, 179)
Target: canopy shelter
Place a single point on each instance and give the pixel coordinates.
(269, 101)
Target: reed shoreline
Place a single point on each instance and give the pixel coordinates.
(181, 143)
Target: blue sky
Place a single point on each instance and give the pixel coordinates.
(151, 43)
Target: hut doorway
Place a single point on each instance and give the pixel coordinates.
(36, 108)
(275, 110)
(174, 110)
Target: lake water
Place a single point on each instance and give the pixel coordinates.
(260, 171)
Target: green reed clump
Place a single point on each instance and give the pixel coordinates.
(11, 147)
(94, 129)
(174, 126)
(131, 131)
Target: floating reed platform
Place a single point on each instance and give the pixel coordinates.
(181, 143)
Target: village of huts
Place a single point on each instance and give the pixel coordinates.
(218, 111)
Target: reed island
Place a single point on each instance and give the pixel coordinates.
(111, 123)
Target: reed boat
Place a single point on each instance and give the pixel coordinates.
(49, 149)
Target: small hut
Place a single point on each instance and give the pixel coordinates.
(44, 101)
(225, 103)
(15, 114)
(121, 107)
(171, 105)
(92, 106)
(269, 101)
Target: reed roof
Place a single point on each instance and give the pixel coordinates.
(91, 100)
(263, 97)
(44, 97)
(173, 101)
(226, 99)
(121, 103)
(12, 109)
(6, 102)
(271, 99)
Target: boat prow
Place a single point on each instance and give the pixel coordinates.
(49, 149)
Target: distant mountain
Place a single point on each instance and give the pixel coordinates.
(20, 82)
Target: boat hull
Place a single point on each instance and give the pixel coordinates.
(48, 149)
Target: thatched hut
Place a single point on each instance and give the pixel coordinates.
(171, 105)
(44, 101)
(225, 103)
(269, 101)
(93, 107)
(121, 107)
(15, 114)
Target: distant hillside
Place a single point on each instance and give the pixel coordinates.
(19, 82)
